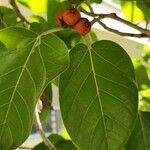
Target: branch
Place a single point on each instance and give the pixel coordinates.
(97, 17)
(39, 128)
(2, 23)
(24, 147)
(17, 11)
(121, 33)
(90, 7)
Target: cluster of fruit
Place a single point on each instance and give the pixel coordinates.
(71, 17)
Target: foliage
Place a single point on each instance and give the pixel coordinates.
(104, 95)
(95, 98)
(59, 142)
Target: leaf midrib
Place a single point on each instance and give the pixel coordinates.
(98, 93)
(17, 83)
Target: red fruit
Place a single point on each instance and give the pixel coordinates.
(59, 18)
(71, 16)
(83, 26)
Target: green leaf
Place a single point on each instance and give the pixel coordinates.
(59, 142)
(80, 1)
(98, 96)
(97, 1)
(55, 138)
(28, 64)
(116, 2)
(144, 100)
(64, 145)
(76, 1)
(131, 11)
(8, 16)
(144, 5)
(93, 36)
(70, 37)
(37, 6)
(37, 27)
(141, 75)
(43, 114)
(38, 24)
(140, 138)
(38, 19)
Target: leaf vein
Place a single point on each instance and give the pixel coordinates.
(115, 83)
(77, 92)
(118, 100)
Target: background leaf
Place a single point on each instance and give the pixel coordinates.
(131, 11)
(37, 6)
(142, 78)
(39, 24)
(8, 15)
(70, 37)
(144, 5)
(98, 96)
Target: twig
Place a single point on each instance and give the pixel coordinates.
(146, 25)
(17, 11)
(39, 128)
(98, 17)
(2, 23)
(121, 33)
(24, 147)
(90, 7)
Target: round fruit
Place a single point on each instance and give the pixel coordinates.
(59, 18)
(83, 26)
(71, 16)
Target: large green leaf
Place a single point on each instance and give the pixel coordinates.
(98, 96)
(26, 67)
(140, 138)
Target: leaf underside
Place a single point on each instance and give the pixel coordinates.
(98, 96)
